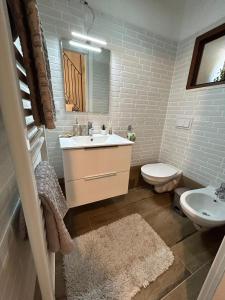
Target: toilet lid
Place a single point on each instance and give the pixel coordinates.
(159, 170)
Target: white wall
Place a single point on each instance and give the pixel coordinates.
(17, 272)
(142, 68)
(199, 152)
(141, 72)
(199, 14)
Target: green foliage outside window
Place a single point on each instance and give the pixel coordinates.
(221, 77)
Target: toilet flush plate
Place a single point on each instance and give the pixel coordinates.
(184, 123)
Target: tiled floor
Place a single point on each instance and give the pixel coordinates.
(193, 251)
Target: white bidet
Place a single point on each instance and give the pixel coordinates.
(203, 207)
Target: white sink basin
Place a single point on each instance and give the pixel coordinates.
(203, 207)
(97, 140)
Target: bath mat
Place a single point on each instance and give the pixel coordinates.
(115, 261)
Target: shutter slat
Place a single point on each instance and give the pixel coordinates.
(21, 68)
(19, 57)
(27, 112)
(32, 132)
(29, 120)
(24, 87)
(21, 76)
(26, 104)
(37, 142)
(25, 95)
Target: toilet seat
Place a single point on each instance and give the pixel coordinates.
(159, 172)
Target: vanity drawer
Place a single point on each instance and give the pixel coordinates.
(79, 163)
(96, 187)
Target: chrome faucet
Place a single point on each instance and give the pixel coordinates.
(90, 128)
(220, 192)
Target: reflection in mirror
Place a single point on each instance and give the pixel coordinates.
(208, 59)
(86, 79)
(212, 66)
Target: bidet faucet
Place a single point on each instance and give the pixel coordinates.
(220, 192)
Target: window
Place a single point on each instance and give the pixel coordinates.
(208, 60)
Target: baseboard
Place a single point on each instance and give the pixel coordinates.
(135, 179)
(187, 182)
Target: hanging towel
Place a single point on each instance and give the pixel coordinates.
(54, 209)
(26, 24)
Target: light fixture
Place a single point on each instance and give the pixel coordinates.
(85, 46)
(88, 38)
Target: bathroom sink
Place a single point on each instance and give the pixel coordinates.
(89, 140)
(203, 207)
(95, 167)
(97, 140)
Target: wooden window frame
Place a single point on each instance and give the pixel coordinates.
(197, 57)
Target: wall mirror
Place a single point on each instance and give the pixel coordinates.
(86, 76)
(208, 60)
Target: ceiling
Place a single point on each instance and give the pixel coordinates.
(174, 19)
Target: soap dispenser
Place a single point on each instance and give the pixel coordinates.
(130, 134)
(103, 130)
(76, 128)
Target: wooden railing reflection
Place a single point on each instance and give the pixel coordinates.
(73, 84)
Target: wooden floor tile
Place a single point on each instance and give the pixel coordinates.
(198, 249)
(164, 283)
(152, 205)
(171, 227)
(190, 288)
(60, 289)
(77, 222)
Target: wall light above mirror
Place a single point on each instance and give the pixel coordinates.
(88, 38)
(208, 60)
(86, 73)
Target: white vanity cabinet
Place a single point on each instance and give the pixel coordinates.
(96, 173)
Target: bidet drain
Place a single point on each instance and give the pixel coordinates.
(205, 214)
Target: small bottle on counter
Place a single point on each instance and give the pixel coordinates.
(130, 134)
(103, 129)
(76, 128)
(83, 130)
(110, 127)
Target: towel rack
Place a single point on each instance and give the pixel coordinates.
(25, 145)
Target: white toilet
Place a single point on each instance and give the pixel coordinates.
(164, 177)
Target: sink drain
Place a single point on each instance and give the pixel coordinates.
(205, 214)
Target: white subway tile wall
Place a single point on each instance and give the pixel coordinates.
(200, 151)
(142, 67)
(141, 73)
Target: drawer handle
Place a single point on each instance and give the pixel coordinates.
(100, 147)
(100, 176)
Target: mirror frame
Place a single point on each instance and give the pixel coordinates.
(197, 57)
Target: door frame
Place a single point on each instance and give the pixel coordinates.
(215, 275)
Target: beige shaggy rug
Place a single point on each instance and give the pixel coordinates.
(115, 261)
